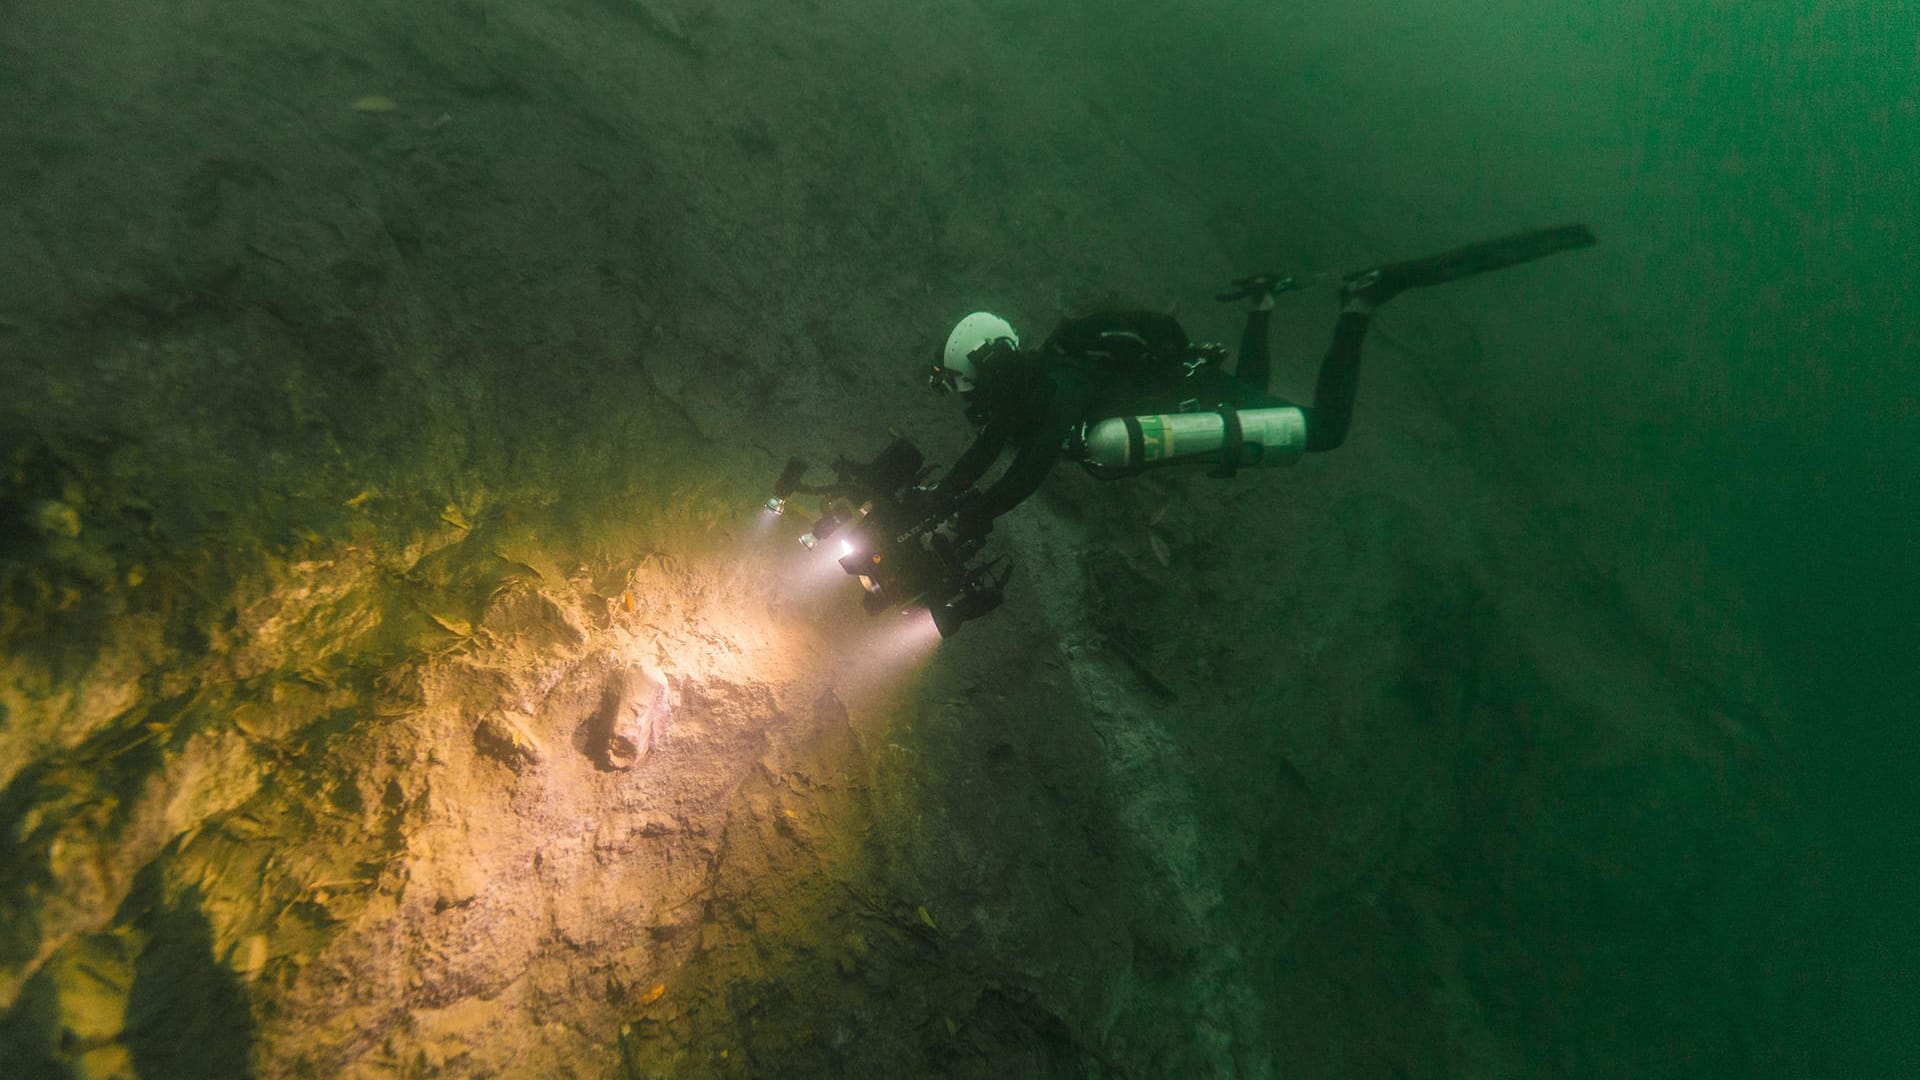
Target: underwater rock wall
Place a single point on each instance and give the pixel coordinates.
(384, 383)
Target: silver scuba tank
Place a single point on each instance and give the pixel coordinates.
(1230, 438)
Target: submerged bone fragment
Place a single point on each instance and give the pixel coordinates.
(631, 709)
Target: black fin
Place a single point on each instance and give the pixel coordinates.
(1382, 283)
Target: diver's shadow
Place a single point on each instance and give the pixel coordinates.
(187, 1013)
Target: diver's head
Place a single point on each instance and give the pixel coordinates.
(973, 338)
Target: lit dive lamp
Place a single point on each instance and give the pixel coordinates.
(828, 524)
(867, 566)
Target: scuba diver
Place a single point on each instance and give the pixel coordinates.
(1125, 391)
(1119, 392)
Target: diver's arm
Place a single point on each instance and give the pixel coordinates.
(1034, 459)
(975, 462)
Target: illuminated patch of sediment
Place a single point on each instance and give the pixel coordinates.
(447, 851)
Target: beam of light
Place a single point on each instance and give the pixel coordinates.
(808, 574)
(764, 525)
(891, 647)
(804, 594)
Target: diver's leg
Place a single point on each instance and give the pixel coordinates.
(1255, 364)
(1339, 380)
(1360, 293)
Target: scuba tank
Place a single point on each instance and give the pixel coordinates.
(1226, 438)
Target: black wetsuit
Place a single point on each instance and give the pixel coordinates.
(1123, 364)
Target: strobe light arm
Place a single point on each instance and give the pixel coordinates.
(791, 483)
(892, 475)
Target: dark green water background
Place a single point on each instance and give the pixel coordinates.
(1753, 168)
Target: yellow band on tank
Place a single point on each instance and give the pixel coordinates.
(1156, 439)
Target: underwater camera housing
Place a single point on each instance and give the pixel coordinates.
(886, 519)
